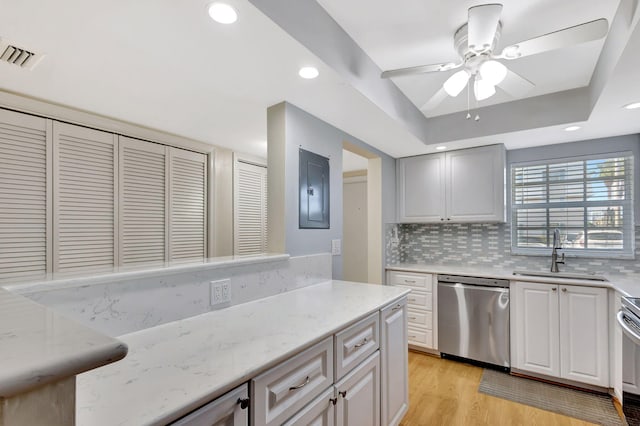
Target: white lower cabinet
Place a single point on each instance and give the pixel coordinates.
(422, 315)
(561, 331)
(358, 395)
(367, 384)
(231, 409)
(394, 363)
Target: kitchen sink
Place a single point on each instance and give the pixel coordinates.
(565, 275)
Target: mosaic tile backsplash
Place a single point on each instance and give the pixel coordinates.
(486, 245)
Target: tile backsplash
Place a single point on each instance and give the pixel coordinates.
(486, 245)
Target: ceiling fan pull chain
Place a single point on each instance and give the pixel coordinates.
(468, 94)
(477, 117)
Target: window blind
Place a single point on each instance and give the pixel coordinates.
(589, 200)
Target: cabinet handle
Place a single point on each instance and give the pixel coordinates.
(395, 308)
(564, 289)
(306, 382)
(412, 318)
(334, 401)
(343, 393)
(412, 299)
(553, 288)
(244, 403)
(362, 343)
(410, 281)
(442, 218)
(448, 218)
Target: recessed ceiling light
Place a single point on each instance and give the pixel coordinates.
(308, 72)
(633, 105)
(571, 128)
(441, 147)
(222, 13)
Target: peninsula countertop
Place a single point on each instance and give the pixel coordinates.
(177, 367)
(627, 285)
(39, 346)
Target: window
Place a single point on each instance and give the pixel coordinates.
(590, 200)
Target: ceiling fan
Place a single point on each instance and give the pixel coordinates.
(476, 41)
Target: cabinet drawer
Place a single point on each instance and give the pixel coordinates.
(356, 343)
(420, 318)
(319, 412)
(280, 392)
(222, 411)
(420, 300)
(420, 337)
(406, 279)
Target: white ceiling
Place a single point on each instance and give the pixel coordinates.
(420, 32)
(164, 64)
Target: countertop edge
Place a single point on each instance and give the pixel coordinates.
(508, 275)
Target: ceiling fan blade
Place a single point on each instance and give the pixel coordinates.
(516, 85)
(582, 33)
(435, 100)
(482, 25)
(421, 69)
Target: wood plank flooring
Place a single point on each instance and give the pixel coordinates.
(444, 392)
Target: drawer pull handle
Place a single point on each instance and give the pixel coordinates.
(553, 288)
(410, 281)
(244, 403)
(395, 308)
(412, 299)
(412, 336)
(343, 393)
(412, 318)
(362, 343)
(334, 401)
(306, 382)
(564, 289)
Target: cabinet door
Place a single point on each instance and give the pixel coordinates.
(394, 363)
(224, 411)
(320, 412)
(359, 395)
(584, 348)
(421, 188)
(475, 184)
(535, 328)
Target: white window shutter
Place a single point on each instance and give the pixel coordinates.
(187, 206)
(143, 201)
(24, 195)
(84, 162)
(250, 208)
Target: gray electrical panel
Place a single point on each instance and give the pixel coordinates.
(314, 191)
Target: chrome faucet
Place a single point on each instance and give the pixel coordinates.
(554, 252)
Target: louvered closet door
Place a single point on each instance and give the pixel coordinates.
(23, 195)
(143, 201)
(250, 208)
(187, 210)
(84, 188)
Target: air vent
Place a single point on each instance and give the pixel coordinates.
(19, 56)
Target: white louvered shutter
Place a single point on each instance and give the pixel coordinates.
(84, 162)
(23, 195)
(187, 206)
(250, 208)
(143, 201)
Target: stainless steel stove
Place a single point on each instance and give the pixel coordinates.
(629, 318)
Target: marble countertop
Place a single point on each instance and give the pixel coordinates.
(39, 346)
(627, 285)
(176, 367)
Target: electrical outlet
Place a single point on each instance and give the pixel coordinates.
(220, 292)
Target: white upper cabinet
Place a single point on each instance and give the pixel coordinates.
(458, 186)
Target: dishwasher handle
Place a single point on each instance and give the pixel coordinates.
(474, 287)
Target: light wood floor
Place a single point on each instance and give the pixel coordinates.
(444, 392)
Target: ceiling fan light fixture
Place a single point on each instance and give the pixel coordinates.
(493, 72)
(482, 89)
(454, 84)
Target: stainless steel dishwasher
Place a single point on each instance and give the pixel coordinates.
(473, 319)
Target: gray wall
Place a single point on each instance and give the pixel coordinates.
(303, 130)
